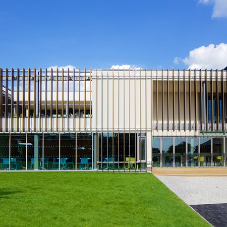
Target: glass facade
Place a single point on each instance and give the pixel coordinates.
(18, 151)
(180, 152)
(4, 151)
(205, 151)
(156, 152)
(218, 151)
(167, 152)
(184, 152)
(120, 152)
(106, 151)
(193, 155)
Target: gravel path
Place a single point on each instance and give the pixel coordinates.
(197, 190)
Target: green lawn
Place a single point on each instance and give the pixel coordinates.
(90, 199)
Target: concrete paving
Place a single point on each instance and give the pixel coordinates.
(197, 190)
(206, 195)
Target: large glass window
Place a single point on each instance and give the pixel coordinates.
(4, 152)
(180, 152)
(51, 151)
(68, 151)
(218, 151)
(121, 153)
(84, 151)
(18, 151)
(205, 151)
(34, 143)
(156, 151)
(193, 157)
(167, 152)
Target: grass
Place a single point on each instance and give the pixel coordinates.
(90, 199)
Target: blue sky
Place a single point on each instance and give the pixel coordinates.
(99, 34)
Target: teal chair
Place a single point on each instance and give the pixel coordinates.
(13, 163)
(46, 163)
(83, 163)
(70, 163)
(110, 162)
(32, 164)
(63, 163)
(5, 163)
(55, 162)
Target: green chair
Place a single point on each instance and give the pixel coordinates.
(132, 161)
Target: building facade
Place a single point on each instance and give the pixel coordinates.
(121, 120)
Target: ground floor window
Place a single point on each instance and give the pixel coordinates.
(73, 151)
(120, 151)
(188, 151)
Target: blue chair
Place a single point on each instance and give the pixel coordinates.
(84, 162)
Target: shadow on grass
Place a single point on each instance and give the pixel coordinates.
(4, 192)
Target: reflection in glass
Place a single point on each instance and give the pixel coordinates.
(156, 152)
(193, 157)
(180, 152)
(68, 151)
(84, 151)
(167, 152)
(218, 151)
(118, 156)
(205, 151)
(34, 146)
(51, 151)
(18, 151)
(4, 152)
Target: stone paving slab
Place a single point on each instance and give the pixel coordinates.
(216, 214)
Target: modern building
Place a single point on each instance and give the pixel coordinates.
(121, 120)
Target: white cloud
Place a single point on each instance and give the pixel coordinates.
(220, 7)
(204, 1)
(209, 57)
(70, 67)
(125, 67)
(177, 60)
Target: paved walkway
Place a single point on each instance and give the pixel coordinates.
(206, 195)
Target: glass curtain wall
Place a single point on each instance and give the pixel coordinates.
(142, 152)
(218, 151)
(51, 151)
(4, 151)
(130, 151)
(193, 155)
(180, 152)
(167, 152)
(18, 151)
(34, 147)
(84, 151)
(205, 152)
(68, 151)
(156, 152)
(117, 152)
